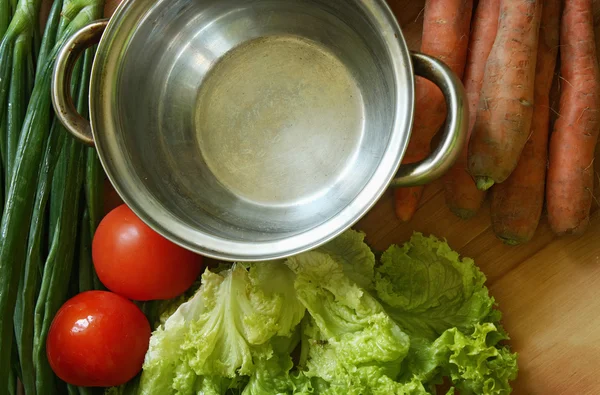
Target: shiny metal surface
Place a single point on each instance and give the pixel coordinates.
(61, 80)
(257, 129)
(454, 131)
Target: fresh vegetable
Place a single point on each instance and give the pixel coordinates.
(517, 203)
(570, 181)
(92, 211)
(461, 194)
(20, 204)
(59, 264)
(230, 319)
(86, 270)
(424, 315)
(94, 183)
(51, 34)
(98, 338)
(16, 71)
(30, 281)
(5, 15)
(60, 261)
(506, 102)
(134, 261)
(424, 303)
(349, 342)
(15, 57)
(445, 36)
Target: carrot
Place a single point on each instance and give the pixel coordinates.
(506, 103)
(462, 196)
(517, 203)
(445, 36)
(570, 183)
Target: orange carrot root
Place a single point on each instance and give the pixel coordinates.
(517, 203)
(570, 183)
(505, 109)
(410, 198)
(445, 36)
(461, 194)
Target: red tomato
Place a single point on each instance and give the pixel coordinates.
(136, 262)
(98, 339)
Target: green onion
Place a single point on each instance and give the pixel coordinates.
(15, 372)
(5, 15)
(18, 98)
(50, 33)
(94, 180)
(59, 264)
(15, 48)
(12, 383)
(16, 77)
(94, 185)
(30, 282)
(86, 267)
(62, 180)
(57, 270)
(20, 199)
(72, 390)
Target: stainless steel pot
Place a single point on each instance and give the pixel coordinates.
(254, 129)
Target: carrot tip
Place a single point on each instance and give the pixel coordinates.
(484, 183)
(576, 231)
(404, 216)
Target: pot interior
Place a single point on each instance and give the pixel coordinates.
(257, 120)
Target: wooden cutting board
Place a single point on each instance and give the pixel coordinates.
(549, 289)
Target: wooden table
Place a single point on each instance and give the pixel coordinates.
(549, 289)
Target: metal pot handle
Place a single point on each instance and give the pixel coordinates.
(454, 133)
(64, 107)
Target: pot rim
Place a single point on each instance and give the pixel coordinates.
(149, 209)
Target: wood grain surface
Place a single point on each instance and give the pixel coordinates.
(548, 290)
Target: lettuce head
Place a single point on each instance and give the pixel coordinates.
(334, 321)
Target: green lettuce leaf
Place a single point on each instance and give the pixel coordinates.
(272, 374)
(475, 365)
(276, 281)
(350, 344)
(367, 380)
(427, 288)
(474, 362)
(217, 334)
(356, 257)
(442, 302)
